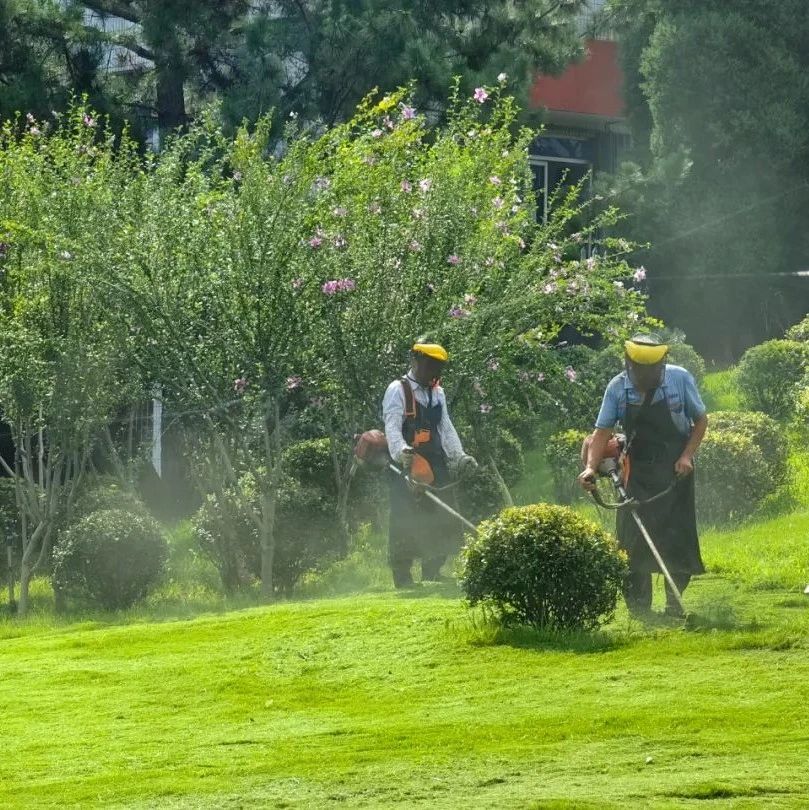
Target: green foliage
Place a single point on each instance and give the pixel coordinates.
(9, 524)
(720, 391)
(768, 436)
(769, 374)
(563, 451)
(307, 534)
(544, 566)
(733, 478)
(110, 558)
(682, 354)
(799, 331)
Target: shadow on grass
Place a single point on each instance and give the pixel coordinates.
(431, 590)
(486, 630)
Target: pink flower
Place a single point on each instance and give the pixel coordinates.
(322, 183)
(65, 255)
(388, 122)
(495, 180)
(414, 246)
(315, 242)
(426, 184)
(548, 289)
(377, 133)
(237, 176)
(374, 208)
(406, 186)
(590, 262)
(493, 364)
(297, 283)
(89, 121)
(453, 259)
(338, 285)
(540, 376)
(571, 373)
(523, 376)
(489, 261)
(339, 211)
(29, 117)
(502, 78)
(485, 407)
(470, 300)
(239, 384)
(639, 275)
(294, 382)
(498, 202)
(339, 242)
(35, 131)
(480, 95)
(408, 113)
(458, 312)
(418, 213)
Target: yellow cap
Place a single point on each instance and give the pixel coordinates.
(645, 351)
(432, 350)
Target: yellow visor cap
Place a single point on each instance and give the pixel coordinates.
(432, 350)
(645, 354)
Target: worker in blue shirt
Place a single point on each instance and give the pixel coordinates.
(664, 420)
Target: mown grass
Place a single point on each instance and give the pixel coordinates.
(410, 700)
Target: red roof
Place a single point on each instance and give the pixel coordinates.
(591, 87)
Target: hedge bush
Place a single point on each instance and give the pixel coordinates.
(769, 374)
(764, 432)
(307, 534)
(799, 332)
(110, 558)
(544, 566)
(563, 451)
(733, 478)
(685, 355)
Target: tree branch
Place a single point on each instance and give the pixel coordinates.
(114, 8)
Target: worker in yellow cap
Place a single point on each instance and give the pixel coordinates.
(664, 420)
(423, 441)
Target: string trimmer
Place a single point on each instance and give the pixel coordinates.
(612, 467)
(372, 449)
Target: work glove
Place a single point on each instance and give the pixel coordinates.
(465, 465)
(406, 459)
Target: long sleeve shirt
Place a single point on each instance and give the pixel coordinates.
(393, 412)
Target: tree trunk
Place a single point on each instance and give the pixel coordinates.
(25, 581)
(170, 96)
(267, 546)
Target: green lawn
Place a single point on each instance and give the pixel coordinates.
(389, 700)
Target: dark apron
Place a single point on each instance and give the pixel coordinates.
(418, 527)
(655, 444)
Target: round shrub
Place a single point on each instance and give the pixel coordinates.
(307, 534)
(106, 493)
(563, 451)
(110, 558)
(685, 355)
(544, 566)
(764, 432)
(733, 478)
(799, 332)
(310, 463)
(769, 374)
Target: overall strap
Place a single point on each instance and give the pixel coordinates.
(410, 400)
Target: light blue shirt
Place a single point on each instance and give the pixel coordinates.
(679, 389)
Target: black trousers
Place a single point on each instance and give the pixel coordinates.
(638, 589)
(430, 570)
